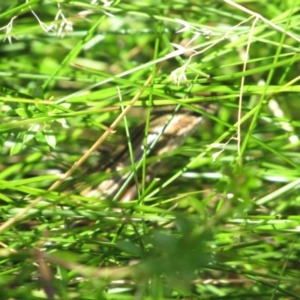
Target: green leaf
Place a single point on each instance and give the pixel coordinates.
(18, 144)
(30, 134)
(50, 138)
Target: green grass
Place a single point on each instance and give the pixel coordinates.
(220, 220)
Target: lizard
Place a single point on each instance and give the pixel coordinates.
(168, 129)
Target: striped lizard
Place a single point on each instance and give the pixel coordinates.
(168, 129)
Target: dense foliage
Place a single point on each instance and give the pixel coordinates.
(219, 220)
